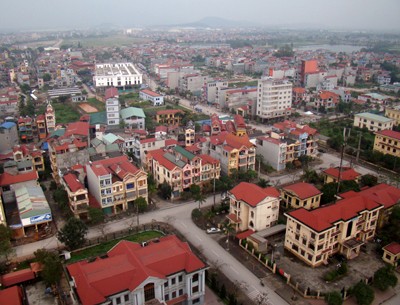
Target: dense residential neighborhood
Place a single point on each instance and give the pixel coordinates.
(191, 165)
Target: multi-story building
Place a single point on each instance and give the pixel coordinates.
(116, 183)
(274, 98)
(9, 101)
(234, 152)
(252, 207)
(301, 195)
(232, 98)
(327, 100)
(27, 129)
(372, 122)
(313, 236)
(29, 153)
(112, 109)
(393, 113)
(50, 118)
(273, 151)
(212, 90)
(299, 95)
(387, 142)
(68, 147)
(193, 83)
(180, 168)
(41, 126)
(8, 137)
(169, 116)
(140, 147)
(77, 195)
(190, 134)
(120, 75)
(158, 273)
(133, 117)
(154, 97)
(307, 67)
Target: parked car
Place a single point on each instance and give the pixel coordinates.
(213, 230)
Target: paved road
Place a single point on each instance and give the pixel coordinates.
(179, 215)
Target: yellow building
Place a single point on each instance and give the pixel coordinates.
(301, 195)
(346, 174)
(190, 134)
(387, 142)
(169, 116)
(343, 227)
(393, 113)
(77, 196)
(391, 254)
(29, 152)
(372, 122)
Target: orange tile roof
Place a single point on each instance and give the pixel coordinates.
(73, 183)
(17, 277)
(303, 190)
(252, 194)
(347, 173)
(169, 111)
(208, 159)
(158, 155)
(8, 179)
(118, 166)
(128, 265)
(325, 217)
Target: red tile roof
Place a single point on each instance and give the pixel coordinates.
(208, 159)
(128, 265)
(17, 277)
(111, 92)
(11, 296)
(161, 128)
(77, 128)
(158, 155)
(239, 121)
(8, 179)
(73, 183)
(303, 190)
(382, 193)
(245, 234)
(151, 93)
(118, 166)
(169, 111)
(393, 248)
(323, 218)
(347, 173)
(169, 142)
(252, 194)
(389, 133)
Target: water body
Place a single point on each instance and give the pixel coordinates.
(333, 48)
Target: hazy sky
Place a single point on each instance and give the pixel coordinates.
(355, 14)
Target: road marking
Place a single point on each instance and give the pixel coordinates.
(183, 224)
(215, 253)
(234, 269)
(199, 238)
(253, 294)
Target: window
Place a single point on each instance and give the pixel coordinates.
(118, 300)
(126, 298)
(166, 297)
(195, 289)
(173, 295)
(180, 292)
(180, 278)
(196, 301)
(173, 281)
(195, 277)
(149, 293)
(166, 284)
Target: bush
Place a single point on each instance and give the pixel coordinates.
(333, 298)
(250, 246)
(385, 278)
(222, 292)
(53, 185)
(342, 270)
(196, 214)
(363, 293)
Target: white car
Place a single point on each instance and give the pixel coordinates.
(213, 230)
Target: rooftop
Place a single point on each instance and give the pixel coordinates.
(373, 117)
(252, 194)
(303, 190)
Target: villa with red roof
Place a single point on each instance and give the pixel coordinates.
(77, 195)
(253, 207)
(116, 183)
(313, 236)
(346, 174)
(301, 195)
(154, 97)
(163, 272)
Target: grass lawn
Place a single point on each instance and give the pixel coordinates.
(99, 105)
(65, 113)
(104, 247)
(252, 83)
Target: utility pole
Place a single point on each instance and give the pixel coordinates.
(345, 136)
(358, 147)
(214, 185)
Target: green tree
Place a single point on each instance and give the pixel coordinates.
(369, 180)
(384, 278)
(200, 199)
(334, 298)
(262, 183)
(195, 190)
(52, 267)
(73, 234)
(46, 77)
(196, 214)
(222, 292)
(363, 293)
(96, 215)
(5, 244)
(141, 204)
(165, 190)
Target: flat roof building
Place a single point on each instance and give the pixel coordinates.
(119, 75)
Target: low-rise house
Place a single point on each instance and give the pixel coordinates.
(391, 254)
(77, 195)
(169, 116)
(252, 207)
(372, 122)
(163, 272)
(133, 117)
(387, 142)
(154, 97)
(313, 236)
(327, 100)
(301, 195)
(28, 152)
(116, 183)
(334, 174)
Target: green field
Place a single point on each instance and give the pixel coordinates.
(99, 105)
(104, 247)
(65, 113)
(252, 83)
(109, 41)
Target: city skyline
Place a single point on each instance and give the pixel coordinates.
(341, 14)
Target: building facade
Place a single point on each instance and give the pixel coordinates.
(387, 142)
(372, 122)
(154, 97)
(116, 75)
(301, 195)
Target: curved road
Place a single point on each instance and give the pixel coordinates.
(179, 215)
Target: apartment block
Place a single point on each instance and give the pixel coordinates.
(252, 207)
(274, 98)
(387, 142)
(372, 122)
(313, 236)
(115, 183)
(213, 88)
(273, 151)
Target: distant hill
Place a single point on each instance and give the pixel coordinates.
(217, 22)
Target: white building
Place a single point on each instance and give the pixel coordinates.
(154, 97)
(112, 108)
(116, 75)
(273, 150)
(274, 98)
